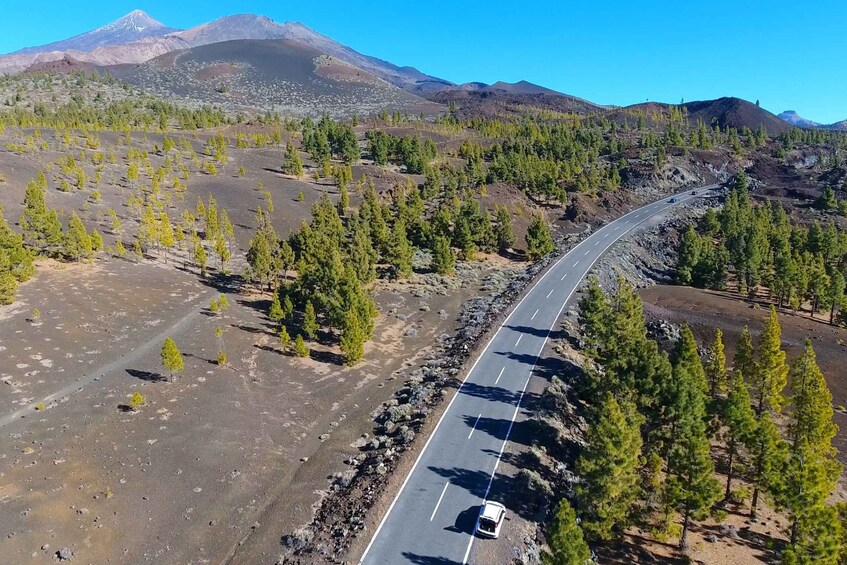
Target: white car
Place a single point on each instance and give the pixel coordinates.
(491, 517)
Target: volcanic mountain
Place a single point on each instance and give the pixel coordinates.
(795, 119)
(263, 74)
(134, 26)
(137, 38)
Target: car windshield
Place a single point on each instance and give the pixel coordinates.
(487, 525)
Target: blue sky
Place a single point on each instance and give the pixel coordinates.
(788, 55)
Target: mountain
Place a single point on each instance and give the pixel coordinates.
(795, 119)
(735, 112)
(523, 87)
(137, 37)
(281, 75)
(134, 26)
(723, 112)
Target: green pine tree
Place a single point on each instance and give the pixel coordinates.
(539, 239)
(564, 537)
(738, 416)
(300, 348)
(77, 241)
(503, 233)
(443, 256)
(608, 467)
(400, 252)
(352, 339)
(310, 321)
(691, 487)
(171, 358)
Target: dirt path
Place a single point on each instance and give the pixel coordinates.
(146, 348)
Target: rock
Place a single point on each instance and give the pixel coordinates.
(45, 547)
(65, 554)
(323, 437)
(712, 538)
(412, 331)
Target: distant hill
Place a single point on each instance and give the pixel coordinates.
(736, 113)
(793, 118)
(282, 75)
(474, 101)
(134, 26)
(723, 112)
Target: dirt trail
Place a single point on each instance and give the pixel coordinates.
(110, 368)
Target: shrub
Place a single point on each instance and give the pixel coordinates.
(136, 400)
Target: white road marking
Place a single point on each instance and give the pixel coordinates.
(519, 340)
(534, 315)
(473, 429)
(500, 375)
(437, 504)
(586, 253)
(605, 235)
(551, 292)
(576, 264)
(563, 277)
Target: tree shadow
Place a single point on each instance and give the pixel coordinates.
(538, 332)
(328, 357)
(426, 560)
(475, 482)
(146, 376)
(767, 548)
(632, 549)
(270, 349)
(192, 356)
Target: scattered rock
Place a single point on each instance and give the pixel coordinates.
(65, 554)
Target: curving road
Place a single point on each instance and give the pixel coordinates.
(431, 519)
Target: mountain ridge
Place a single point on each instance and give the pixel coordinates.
(135, 26)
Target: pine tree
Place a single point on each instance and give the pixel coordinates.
(293, 164)
(691, 487)
(608, 467)
(300, 349)
(200, 257)
(275, 312)
(835, 294)
(504, 233)
(352, 339)
(745, 362)
(284, 338)
(594, 313)
(811, 403)
(818, 539)
(768, 378)
(41, 227)
(738, 416)
(310, 322)
(77, 240)
(166, 233)
(443, 256)
(539, 240)
(400, 252)
(564, 536)
(771, 373)
(222, 251)
(716, 374)
(171, 358)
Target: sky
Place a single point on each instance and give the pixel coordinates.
(787, 55)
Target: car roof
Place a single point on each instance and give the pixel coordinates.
(492, 510)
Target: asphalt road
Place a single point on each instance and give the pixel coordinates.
(431, 520)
